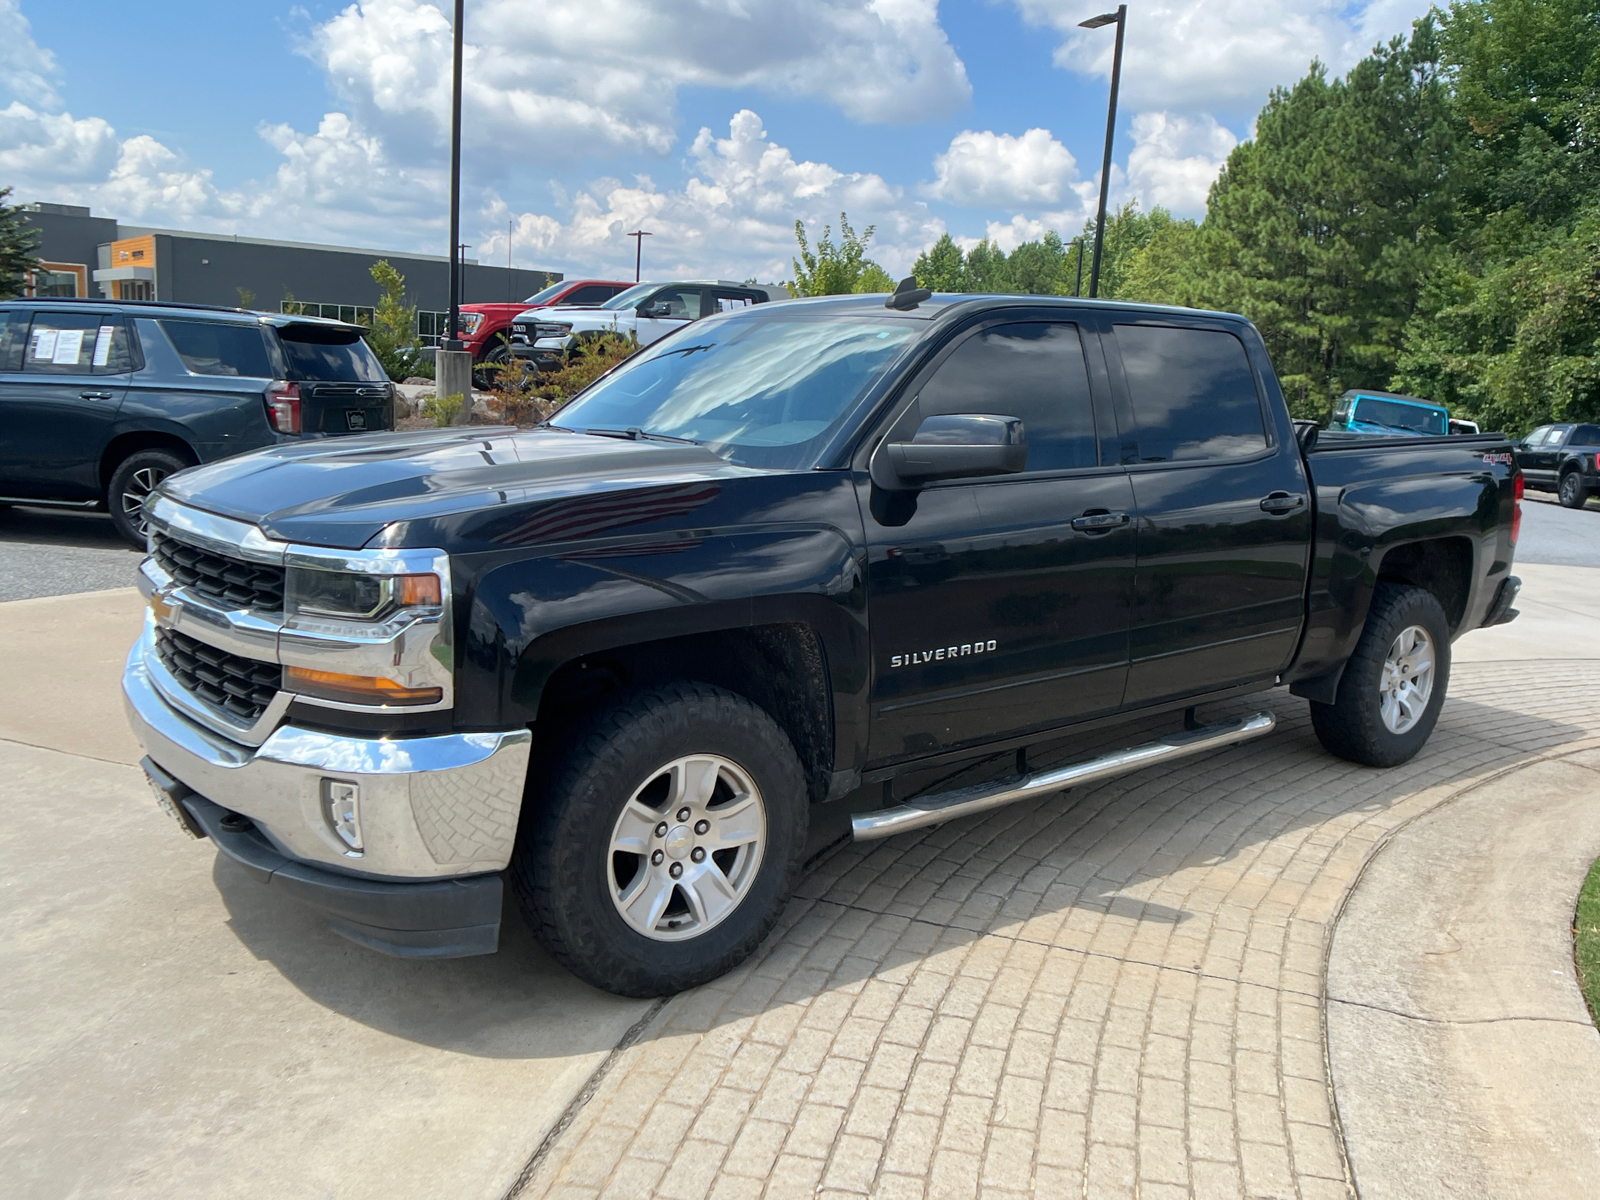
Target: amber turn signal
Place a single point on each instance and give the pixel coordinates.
(419, 591)
(358, 689)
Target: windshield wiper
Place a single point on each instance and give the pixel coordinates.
(634, 434)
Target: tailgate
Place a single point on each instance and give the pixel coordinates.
(345, 407)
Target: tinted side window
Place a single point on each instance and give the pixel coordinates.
(682, 303)
(329, 354)
(69, 343)
(594, 293)
(1193, 393)
(1033, 370)
(218, 348)
(1585, 435)
(12, 339)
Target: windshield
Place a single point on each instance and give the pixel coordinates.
(762, 391)
(544, 296)
(631, 298)
(1396, 414)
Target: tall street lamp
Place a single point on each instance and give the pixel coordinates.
(454, 341)
(453, 362)
(1121, 18)
(638, 236)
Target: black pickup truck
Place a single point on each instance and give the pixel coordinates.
(756, 582)
(1564, 459)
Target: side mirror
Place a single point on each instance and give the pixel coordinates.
(960, 446)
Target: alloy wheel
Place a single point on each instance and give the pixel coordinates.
(140, 484)
(1407, 682)
(686, 848)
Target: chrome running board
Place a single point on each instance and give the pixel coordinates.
(939, 807)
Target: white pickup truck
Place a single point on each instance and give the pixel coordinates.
(646, 312)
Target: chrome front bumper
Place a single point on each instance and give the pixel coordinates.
(431, 807)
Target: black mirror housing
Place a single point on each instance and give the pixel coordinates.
(958, 446)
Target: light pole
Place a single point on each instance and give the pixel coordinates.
(1077, 288)
(454, 328)
(453, 363)
(638, 236)
(1121, 18)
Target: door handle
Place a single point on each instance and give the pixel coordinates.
(1283, 502)
(94, 395)
(1099, 520)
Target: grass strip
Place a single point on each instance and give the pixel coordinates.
(1586, 940)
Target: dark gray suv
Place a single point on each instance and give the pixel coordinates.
(102, 400)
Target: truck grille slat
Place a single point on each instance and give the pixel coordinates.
(240, 687)
(230, 581)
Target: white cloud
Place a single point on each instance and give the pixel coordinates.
(1180, 54)
(27, 70)
(1175, 159)
(53, 146)
(734, 217)
(555, 80)
(988, 169)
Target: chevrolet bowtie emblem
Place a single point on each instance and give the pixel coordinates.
(165, 613)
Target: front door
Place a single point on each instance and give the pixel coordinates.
(676, 306)
(1000, 606)
(56, 411)
(1224, 516)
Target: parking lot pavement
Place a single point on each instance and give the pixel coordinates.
(1559, 536)
(1114, 993)
(169, 1028)
(46, 552)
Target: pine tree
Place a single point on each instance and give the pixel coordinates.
(18, 240)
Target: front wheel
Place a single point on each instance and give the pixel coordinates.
(135, 478)
(1394, 684)
(667, 841)
(1572, 493)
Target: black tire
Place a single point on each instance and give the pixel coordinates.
(1571, 491)
(483, 378)
(135, 478)
(1353, 726)
(562, 869)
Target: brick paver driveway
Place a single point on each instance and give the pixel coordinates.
(1114, 992)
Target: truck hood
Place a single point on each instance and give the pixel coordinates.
(565, 313)
(344, 492)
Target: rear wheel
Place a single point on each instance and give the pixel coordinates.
(668, 839)
(1394, 684)
(1572, 493)
(135, 478)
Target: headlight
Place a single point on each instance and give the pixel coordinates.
(470, 322)
(344, 594)
(550, 329)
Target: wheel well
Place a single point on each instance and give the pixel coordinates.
(1442, 566)
(781, 668)
(129, 443)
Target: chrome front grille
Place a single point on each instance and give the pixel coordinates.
(237, 686)
(228, 581)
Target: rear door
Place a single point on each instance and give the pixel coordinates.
(204, 380)
(58, 402)
(996, 607)
(1224, 517)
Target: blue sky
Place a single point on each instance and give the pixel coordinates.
(716, 123)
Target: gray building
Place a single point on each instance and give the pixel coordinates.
(85, 255)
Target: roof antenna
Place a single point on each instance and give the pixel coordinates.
(908, 295)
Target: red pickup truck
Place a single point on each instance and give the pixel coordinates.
(486, 328)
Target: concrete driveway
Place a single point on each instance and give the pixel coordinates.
(169, 1028)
